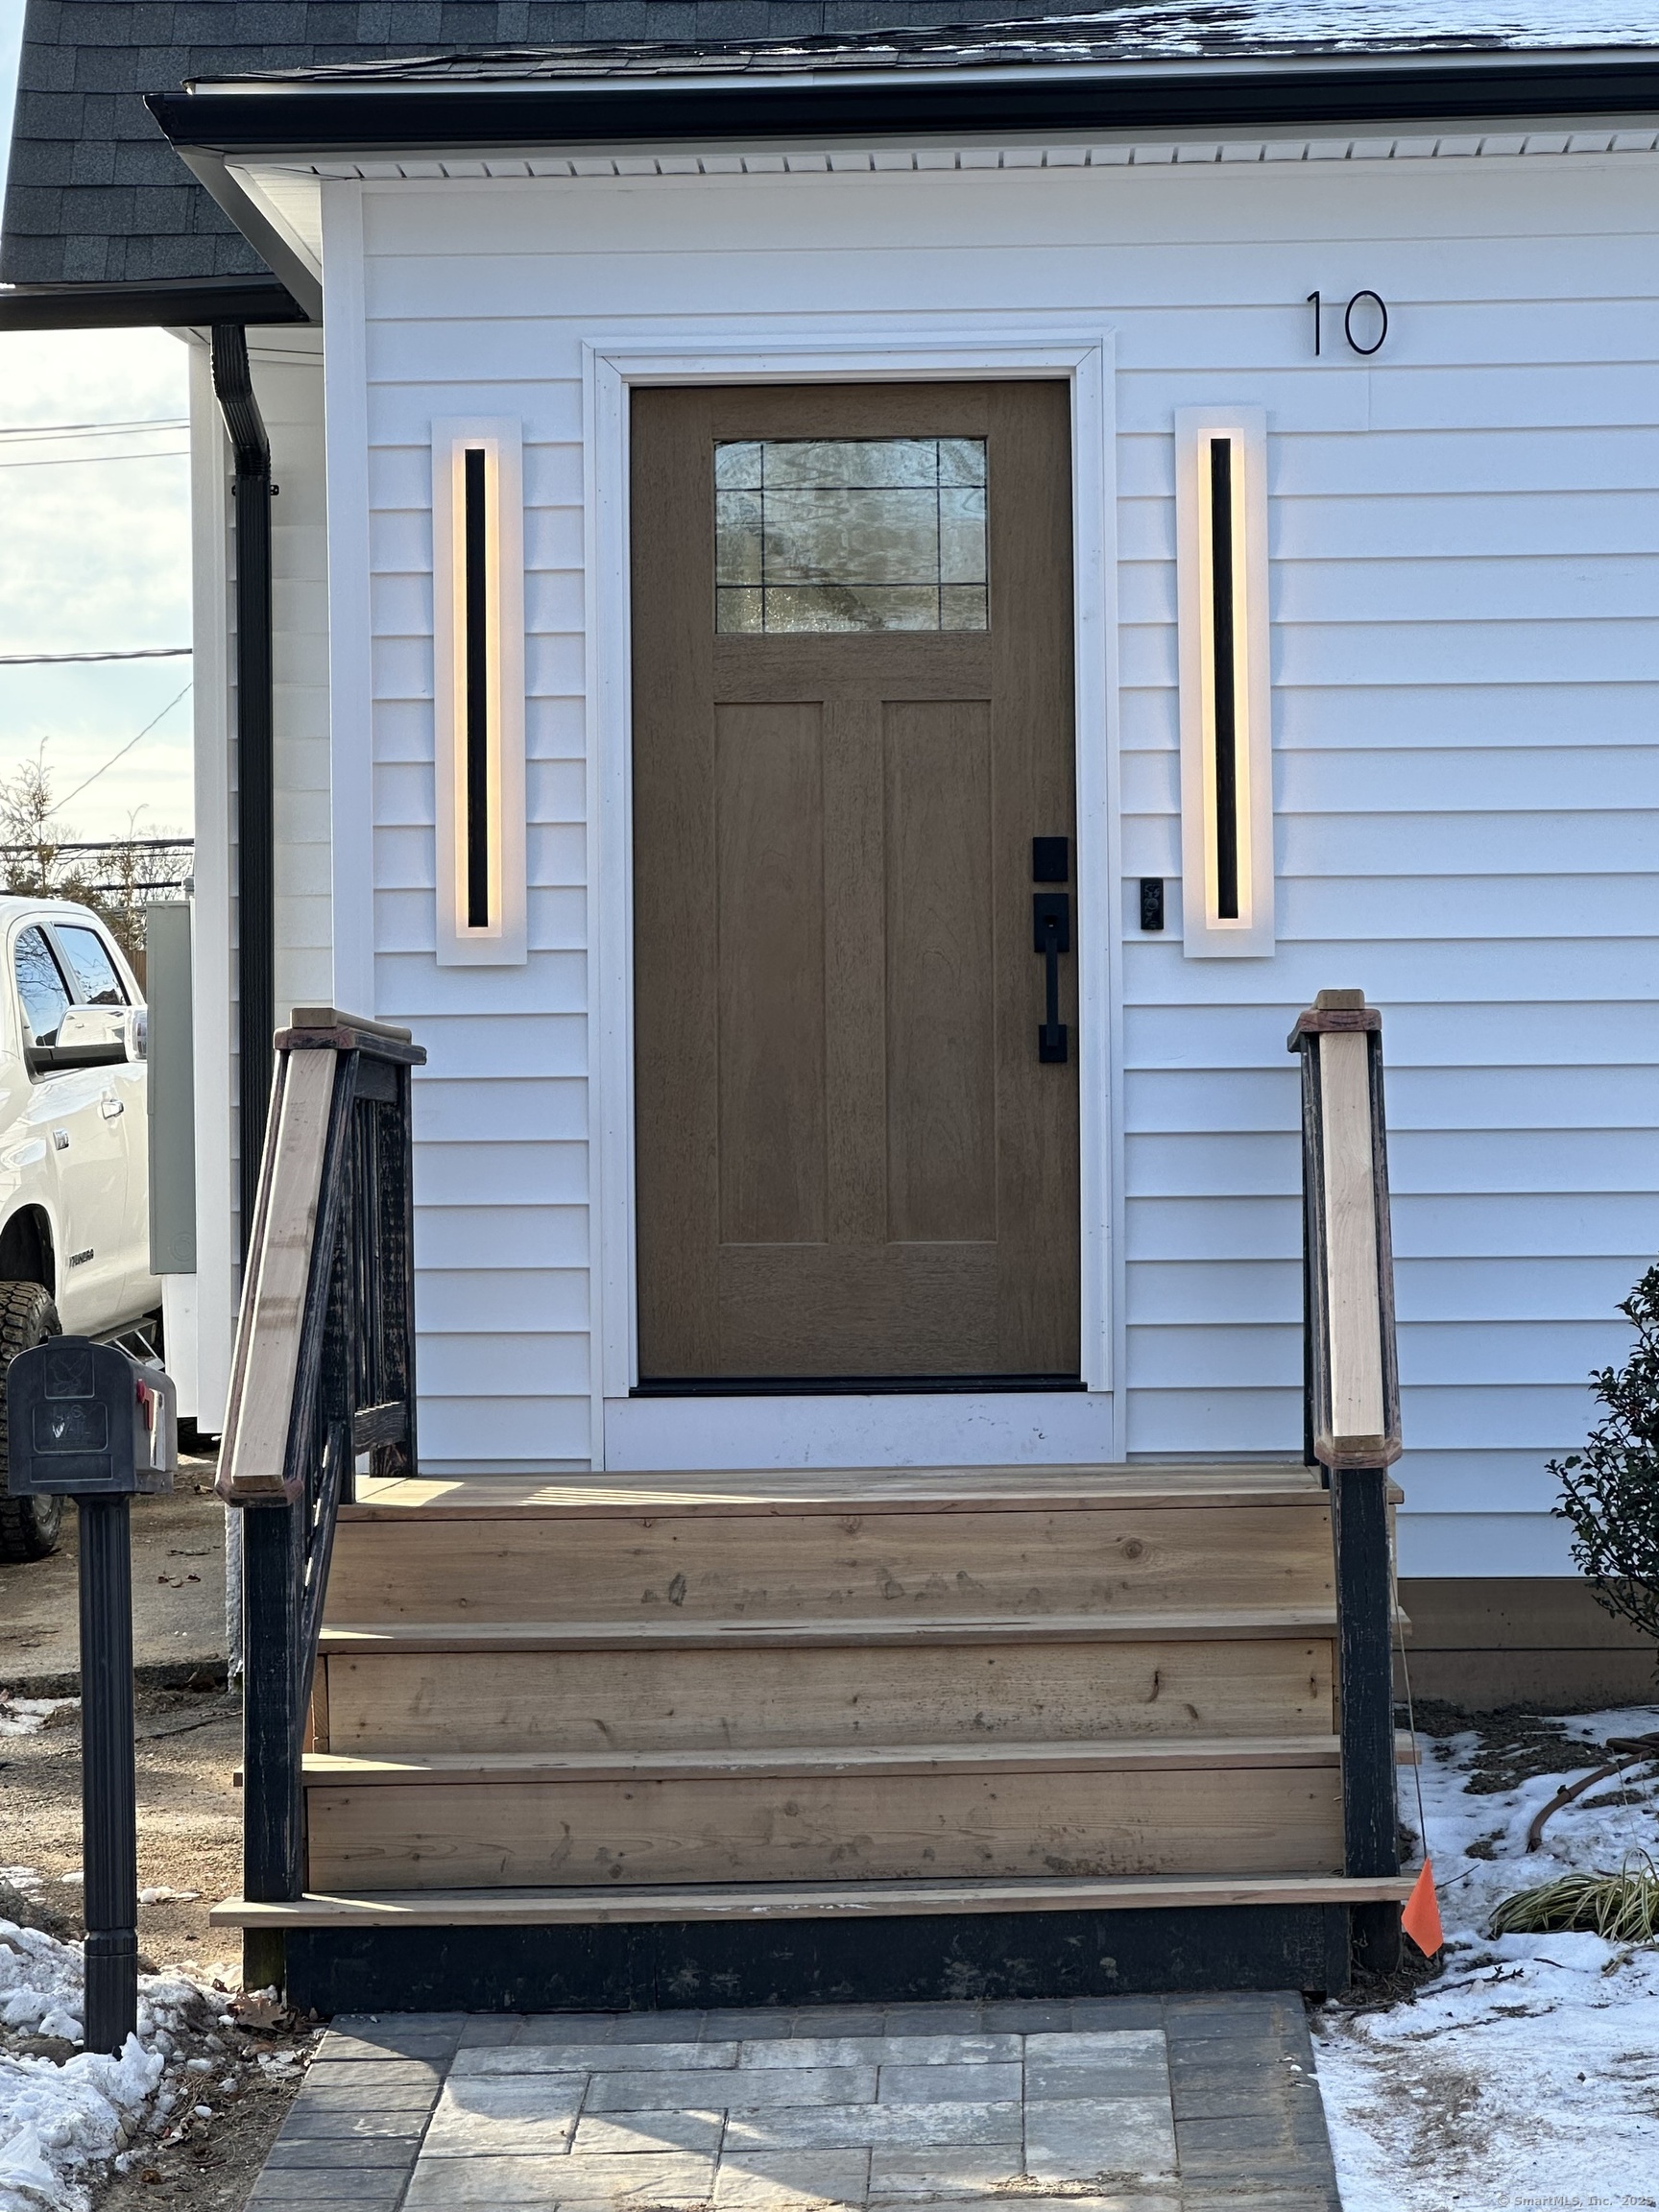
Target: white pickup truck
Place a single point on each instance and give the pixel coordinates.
(73, 1156)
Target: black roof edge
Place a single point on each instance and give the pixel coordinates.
(347, 119)
(178, 303)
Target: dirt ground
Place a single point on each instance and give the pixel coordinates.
(178, 1593)
(189, 1740)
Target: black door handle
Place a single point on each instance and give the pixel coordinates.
(1052, 932)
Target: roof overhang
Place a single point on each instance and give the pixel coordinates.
(381, 115)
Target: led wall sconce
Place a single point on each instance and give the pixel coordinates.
(478, 637)
(1226, 699)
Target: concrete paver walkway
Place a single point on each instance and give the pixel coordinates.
(1130, 2105)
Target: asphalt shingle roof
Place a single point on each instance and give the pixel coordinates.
(96, 195)
(1122, 30)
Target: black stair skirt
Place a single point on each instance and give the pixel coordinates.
(975, 1957)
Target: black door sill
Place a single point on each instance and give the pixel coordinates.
(842, 1387)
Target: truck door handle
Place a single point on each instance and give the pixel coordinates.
(111, 1107)
(60, 1139)
(1052, 934)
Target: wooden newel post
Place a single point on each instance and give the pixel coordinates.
(1353, 1415)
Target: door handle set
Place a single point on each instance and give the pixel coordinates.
(1051, 936)
(111, 1107)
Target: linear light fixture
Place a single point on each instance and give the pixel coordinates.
(1226, 699)
(478, 639)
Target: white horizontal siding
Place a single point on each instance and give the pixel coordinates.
(1465, 544)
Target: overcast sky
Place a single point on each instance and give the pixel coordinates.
(94, 556)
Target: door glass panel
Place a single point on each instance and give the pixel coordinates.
(822, 534)
(40, 987)
(94, 972)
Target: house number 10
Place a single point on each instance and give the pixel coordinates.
(1371, 312)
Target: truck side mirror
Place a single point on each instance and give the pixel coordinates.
(87, 1037)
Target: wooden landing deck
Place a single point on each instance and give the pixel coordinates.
(834, 1490)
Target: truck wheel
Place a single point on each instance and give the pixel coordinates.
(28, 1526)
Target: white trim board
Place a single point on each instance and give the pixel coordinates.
(211, 980)
(898, 1430)
(350, 610)
(959, 1429)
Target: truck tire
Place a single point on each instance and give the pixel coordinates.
(28, 1526)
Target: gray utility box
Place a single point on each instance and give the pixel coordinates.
(85, 1420)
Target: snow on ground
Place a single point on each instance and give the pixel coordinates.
(1528, 2075)
(28, 1716)
(61, 2124)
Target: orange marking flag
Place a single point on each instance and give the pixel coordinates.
(1421, 1918)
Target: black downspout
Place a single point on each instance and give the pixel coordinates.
(269, 1541)
(256, 908)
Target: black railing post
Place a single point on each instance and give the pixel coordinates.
(398, 1179)
(273, 1835)
(1366, 1688)
(1351, 1420)
(109, 1810)
(1310, 1454)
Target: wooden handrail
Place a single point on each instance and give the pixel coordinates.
(1351, 1387)
(323, 1374)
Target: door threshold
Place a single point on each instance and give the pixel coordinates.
(845, 1386)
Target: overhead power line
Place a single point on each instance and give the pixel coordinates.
(103, 844)
(22, 433)
(122, 755)
(55, 660)
(94, 460)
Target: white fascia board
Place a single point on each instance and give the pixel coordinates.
(269, 232)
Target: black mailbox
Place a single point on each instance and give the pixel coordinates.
(87, 1420)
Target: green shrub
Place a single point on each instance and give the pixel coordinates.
(1610, 1490)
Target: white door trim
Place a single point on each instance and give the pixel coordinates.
(834, 1430)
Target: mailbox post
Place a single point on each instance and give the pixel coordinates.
(86, 1421)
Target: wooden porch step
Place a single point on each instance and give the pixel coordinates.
(902, 1683)
(838, 1555)
(890, 1814)
(797, 1901)
(667, 1689)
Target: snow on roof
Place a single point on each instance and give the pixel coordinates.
(1135, 31)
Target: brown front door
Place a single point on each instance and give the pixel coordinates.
(857, 1144)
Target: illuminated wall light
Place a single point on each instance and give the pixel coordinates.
(1226, 697)
(478, 638)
